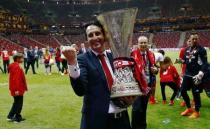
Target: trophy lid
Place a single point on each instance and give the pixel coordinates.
(119, 25)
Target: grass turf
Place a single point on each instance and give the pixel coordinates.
(51, 103)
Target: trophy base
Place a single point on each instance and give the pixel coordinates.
(125, 89)
(126, 95)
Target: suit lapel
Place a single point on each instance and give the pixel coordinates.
(98, 66)
(109, 55)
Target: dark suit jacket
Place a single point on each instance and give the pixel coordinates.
(30, 56)
(93, 86)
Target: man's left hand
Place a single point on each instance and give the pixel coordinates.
(154, 70)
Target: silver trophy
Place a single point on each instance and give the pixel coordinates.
(119, 27)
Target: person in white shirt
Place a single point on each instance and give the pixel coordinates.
(91, 76)
(159, 58)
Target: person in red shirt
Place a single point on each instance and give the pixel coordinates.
(170, 77)
(17, 87)
(58, 59)
(5, 58)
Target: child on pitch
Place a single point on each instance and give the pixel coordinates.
(169, 77)
(17, 87)
(47, 57)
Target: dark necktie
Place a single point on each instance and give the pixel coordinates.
(144, 59)
(106, 70)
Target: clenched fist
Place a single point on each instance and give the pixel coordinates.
(70, 54)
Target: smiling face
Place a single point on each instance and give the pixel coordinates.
(95, 38)
(143, 43)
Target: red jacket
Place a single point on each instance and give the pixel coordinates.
(139, 72)
(5, 55)
(170, 75)
(17, 81)
(58, 56)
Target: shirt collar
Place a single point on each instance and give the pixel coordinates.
(96, 53)
(143, 53)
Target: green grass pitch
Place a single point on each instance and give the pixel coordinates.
(51, 103)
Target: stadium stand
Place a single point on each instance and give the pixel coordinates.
(47, 40)
(24, 40)
(8, 45)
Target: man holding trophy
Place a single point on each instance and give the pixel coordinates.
(92, 77)
(107, 80)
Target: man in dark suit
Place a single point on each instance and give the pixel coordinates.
(91, 76)
(30, 60)
(83, 49)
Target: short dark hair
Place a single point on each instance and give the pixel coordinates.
(96, 23)
(167, 60)
(162, 52)
(17, 56)
(193, 33)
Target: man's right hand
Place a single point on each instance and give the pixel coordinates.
(70, 54)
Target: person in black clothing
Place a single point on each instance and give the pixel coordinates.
(30, 60)
(195, 58)
(25, 57)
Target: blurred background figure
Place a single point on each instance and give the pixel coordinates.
(30, 60)
(64, 65)
(25, 50)
(58, 59)
(83, 48)
(5, 58)
(47, 57)
(1, 67)
(36, 53)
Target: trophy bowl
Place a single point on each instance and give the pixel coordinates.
(125, 88)
(119, 26)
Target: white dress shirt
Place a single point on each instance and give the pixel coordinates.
(74, 72)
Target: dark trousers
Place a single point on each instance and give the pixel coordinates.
(1, 69)
(5, 65)
(37, 62)
(16, 109)
(58, 64)
(64, 65)
(25, 63)
(188, 84)
(172, 85)
(32, 66)
(118, 121)
(139, 113)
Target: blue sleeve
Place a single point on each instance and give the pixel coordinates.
(79, 85)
